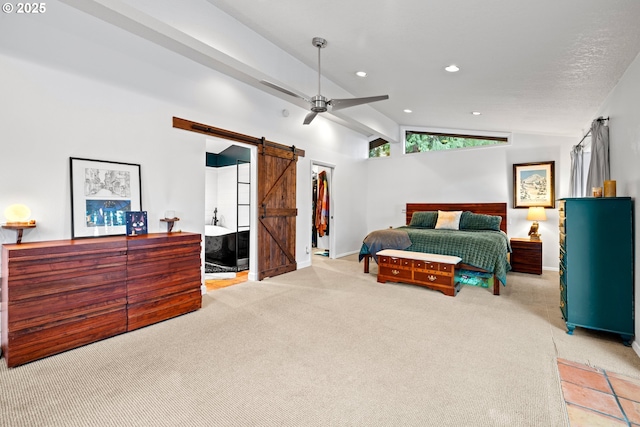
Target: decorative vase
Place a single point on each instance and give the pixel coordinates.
(610, 189)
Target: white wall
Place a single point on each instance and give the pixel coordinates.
(74, 86)
(623, 110)
(210, 194)
(467, 175)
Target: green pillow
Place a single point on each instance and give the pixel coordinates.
(424, 219)
(473, 221)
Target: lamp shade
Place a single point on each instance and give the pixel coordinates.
(17, 213)
(536, 214)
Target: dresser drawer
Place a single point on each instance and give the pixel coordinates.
(426, 277)
(426, 265)
(433, 266)
(394, 262)
(394, 272)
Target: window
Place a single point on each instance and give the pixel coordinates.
(419, 141)
(379, 148)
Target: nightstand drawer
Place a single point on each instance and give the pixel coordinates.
(526, 255)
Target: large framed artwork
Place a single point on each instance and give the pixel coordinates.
(101, 193)
(533, 185)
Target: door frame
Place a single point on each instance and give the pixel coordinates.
(332, 234)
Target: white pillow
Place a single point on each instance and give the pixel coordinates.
(448, 220)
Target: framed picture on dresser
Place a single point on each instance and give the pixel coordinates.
(534, 185)
(101, 193)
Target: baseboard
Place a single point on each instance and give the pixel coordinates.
(347, 254)
(304, 264)
(551, 268)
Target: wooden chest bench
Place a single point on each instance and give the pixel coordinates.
(429, 270)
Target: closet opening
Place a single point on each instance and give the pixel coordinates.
(322, 233)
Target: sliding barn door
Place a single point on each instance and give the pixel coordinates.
(276, 210)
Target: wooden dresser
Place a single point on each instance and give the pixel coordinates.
(596, 264)
(59, 295)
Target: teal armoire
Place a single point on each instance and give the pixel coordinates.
(596, 264)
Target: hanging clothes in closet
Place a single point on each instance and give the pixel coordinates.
(314, 204)
(322, 205)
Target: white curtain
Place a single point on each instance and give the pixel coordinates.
(577, 176)
(599, 167)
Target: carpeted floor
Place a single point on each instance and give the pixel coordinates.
(325, 345)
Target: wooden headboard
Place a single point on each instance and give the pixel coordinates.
(498, 209)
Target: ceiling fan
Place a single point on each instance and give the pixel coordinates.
(319, 103)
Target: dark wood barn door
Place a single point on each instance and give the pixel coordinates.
(276, 228)
(276, 210)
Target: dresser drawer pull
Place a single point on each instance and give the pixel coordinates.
(561, 288)
(561, 304)
(561, 272)
(395, 272)
(431, 277)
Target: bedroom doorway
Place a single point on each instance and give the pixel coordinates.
(227, 213)
(322, 209)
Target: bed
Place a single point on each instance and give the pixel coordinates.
(482, 248)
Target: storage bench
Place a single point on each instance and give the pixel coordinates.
(429, 270)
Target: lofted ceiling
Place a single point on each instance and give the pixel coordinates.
(543, 66)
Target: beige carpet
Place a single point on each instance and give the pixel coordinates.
(324, 346)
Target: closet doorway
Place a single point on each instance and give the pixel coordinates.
(322, 202)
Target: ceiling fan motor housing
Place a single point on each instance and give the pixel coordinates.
(319, 104)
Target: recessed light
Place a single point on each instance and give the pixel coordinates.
(361, 74)
(476, 113)
(406, 110)
(452, 68)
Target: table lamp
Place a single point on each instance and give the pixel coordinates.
(535, 214)
(17, 214)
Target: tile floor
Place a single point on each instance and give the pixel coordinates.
(596, 397)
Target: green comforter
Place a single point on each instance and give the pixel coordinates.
(479, 248)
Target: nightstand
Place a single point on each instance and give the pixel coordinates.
(526, 255)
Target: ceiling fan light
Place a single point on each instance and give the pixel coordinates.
(452, 68)
(361, 73)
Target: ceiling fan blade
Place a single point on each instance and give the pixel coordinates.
(312, 115)
(338, 104)
(283, 90)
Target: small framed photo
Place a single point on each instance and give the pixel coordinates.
(136, 223)
(101, 193)
(534, 185)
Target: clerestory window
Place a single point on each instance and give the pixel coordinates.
(420, 141)
(379, 148)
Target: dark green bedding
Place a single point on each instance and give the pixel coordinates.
(479, 248)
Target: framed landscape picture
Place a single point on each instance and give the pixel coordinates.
(101, 193)
(533, 185)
